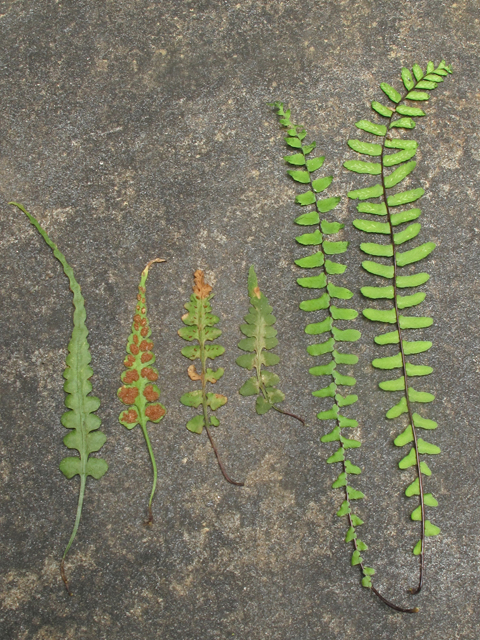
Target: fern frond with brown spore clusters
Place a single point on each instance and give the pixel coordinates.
(139, 392)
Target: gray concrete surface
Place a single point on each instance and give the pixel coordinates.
(134, 129)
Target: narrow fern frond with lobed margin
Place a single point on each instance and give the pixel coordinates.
(261, 338)
(84, 434)
(139, 391)
(200, 326)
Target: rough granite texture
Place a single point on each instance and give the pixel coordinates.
(136, 129)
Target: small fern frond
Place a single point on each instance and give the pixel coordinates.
(83, 424)
(201, 327)
(138, 391)
(261, 338)
(399, 116)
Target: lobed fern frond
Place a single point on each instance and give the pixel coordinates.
(201, 327)
(335, 333)
(83, 424)
(261, 338)
(397, 117)
(138, 390)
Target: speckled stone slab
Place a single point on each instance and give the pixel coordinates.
(135, 129)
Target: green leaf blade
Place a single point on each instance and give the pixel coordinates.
(77, 374)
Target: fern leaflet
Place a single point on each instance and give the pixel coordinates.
(201, 327)
(416, 89)
(84, 435)
(261, 337)
(138, 391)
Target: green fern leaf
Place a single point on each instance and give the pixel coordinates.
(138, 390)
(80, 419)
(416, 89)
(200, 322)
(330, 350)
(261, 337)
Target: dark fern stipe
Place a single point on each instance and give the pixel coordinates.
(261, 338)
(377, 201)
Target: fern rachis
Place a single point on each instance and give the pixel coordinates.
(400, 159)
(83, 424)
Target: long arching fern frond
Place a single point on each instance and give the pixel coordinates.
(84, 435)
(397, 117)
(138, 391)
(201, 327)
(332, 327)
(261, 338)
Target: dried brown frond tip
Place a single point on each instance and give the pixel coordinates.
(201, 289)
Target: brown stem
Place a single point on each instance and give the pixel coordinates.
(220, 463)
(393, 606)
(64, 576)
(287, 413)
(149, 522)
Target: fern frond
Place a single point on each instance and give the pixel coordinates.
(83, 424)
(416, 89)
(331, 327)
(201, 327)
(261, 338)
(138, 391)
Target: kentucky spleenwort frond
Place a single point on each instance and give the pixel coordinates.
(261, 338)
(138, 391)
(399, 116)
(201, 327)
(84, 435)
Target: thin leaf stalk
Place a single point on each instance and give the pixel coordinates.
(143, 425)
(83, 481)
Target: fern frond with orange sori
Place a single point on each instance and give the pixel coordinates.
(138, 391)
